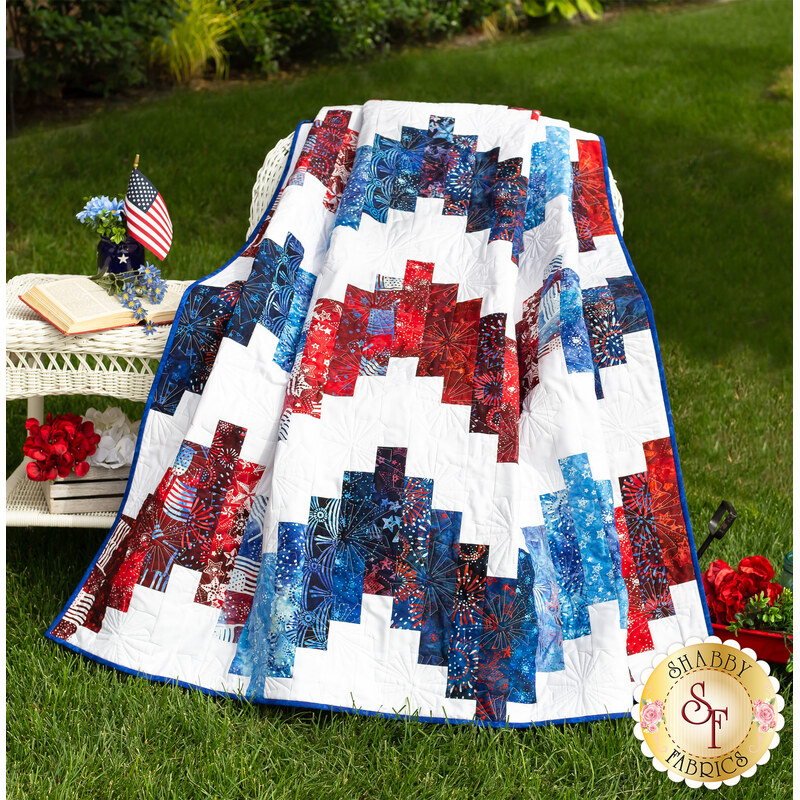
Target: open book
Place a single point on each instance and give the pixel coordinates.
(79, 305)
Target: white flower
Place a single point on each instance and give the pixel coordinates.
(117, 437)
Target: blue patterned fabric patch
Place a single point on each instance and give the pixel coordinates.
(558, 165)
(587, 512)
(524, 635)
(561, 318)
(580, 532)
(202, 321)
(605, 333)
(276, 295)
(546, 599)
(439, 580)
(574, 337)
(563, 543)
(352, 203)
(286, 621)
(629, 303)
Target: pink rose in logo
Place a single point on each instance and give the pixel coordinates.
(764, 714)
(651, 715)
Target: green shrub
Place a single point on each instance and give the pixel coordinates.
(563, 9)
(268, 32)
(272, 32)
(103, 46)
(513, 14)
(196, 38)
(99, 46)
(362, 26)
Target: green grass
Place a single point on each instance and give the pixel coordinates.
(700, 142)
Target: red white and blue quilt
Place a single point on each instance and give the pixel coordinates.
(410, 451)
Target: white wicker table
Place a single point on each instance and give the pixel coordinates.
(42, 361)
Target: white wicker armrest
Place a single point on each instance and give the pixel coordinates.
(616, 197)
(267, 180)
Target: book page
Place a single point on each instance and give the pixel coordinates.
(76, 305)
(165, 310)
(80, 298)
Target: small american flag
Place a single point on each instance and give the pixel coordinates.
(148, 218)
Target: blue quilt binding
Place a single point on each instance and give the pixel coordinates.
(661, 375)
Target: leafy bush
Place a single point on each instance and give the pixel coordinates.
(764, 614)
(98, 46)
(274, 31)
(513, 14)
(267, 31)
(196, 38)
(566, 9)
(107, 45)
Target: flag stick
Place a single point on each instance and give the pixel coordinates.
(136, 162)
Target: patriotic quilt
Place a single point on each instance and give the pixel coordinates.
(410, 451)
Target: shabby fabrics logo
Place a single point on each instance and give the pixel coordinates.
(708, 713)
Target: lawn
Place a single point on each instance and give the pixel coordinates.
(698, 133)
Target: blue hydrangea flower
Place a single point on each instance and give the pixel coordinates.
(97, 205)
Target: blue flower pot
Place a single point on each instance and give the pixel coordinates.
(123, 257)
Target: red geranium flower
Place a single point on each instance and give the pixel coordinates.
(59, 446)
(728, 590)
(758, 570)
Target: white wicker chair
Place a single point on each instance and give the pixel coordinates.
(270, 174)
(267, 180)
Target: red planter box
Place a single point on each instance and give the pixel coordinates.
(769, 646)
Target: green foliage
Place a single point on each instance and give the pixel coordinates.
(762, 615)
(562, 9)
(108, 45)
(508, 15)
(108, 227)
(197, 37)
(276, 31)
(355, 27)
(99, 46)
(264, 33)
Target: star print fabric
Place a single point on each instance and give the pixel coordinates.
(410, 451)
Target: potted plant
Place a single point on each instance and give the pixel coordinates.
(747, 605)
(117, 251)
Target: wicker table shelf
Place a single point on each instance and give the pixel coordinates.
(41, 361)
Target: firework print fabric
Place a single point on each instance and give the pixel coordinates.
(410, 451)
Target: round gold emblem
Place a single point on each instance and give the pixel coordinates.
(708, 713)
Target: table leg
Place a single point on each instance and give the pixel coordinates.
(36, 407)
